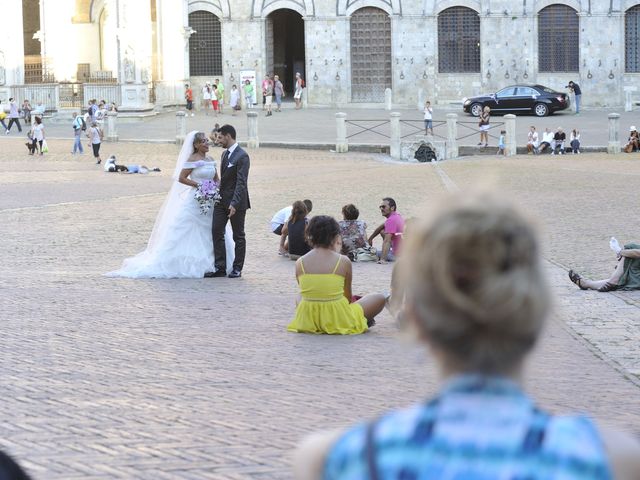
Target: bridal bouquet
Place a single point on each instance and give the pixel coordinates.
(207, 195)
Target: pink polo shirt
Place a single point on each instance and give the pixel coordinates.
(394, 224)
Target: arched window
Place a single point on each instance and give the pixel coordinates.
(458, 40)
(558, 39)
(205, 46)
(632, 39)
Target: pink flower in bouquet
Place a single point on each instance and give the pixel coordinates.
(207, 195)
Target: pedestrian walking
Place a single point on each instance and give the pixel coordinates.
(248, 93)
(95, 136)
(3, 115)
(37, 136)
(577, 93)
(79, 126)
(267, 92)
(26, 112)
(234, 100)
(220, 91)
(206, 97)
(188, 96)
(501, 150)
(14, 116)
(278, 89)
(297, 95)
(485, 119)
(428, 118)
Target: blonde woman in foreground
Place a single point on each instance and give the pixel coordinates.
(476, 295)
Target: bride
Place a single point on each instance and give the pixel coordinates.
(181, 244)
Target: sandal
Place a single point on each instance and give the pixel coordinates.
(608, 287)
(576, 278)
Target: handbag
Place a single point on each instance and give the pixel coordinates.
(45, 147)
(365, 254)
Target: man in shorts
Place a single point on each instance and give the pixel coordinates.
(267, 91)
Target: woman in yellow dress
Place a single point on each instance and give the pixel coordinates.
(324, 277)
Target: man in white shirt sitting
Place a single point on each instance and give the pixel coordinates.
(547, 141)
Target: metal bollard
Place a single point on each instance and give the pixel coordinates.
(510, 137)
(181, 127)
(252, 130)
(451, 148)
(614, 133)
(395, 147)
(112, 127)
(341, 133)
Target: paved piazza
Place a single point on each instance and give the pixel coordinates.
(198, 379)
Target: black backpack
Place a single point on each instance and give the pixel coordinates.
(84, 124)
(425, 153)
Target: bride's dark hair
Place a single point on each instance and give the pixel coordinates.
(198, 138)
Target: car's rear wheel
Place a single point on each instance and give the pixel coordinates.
(541, 110)
(476, 109)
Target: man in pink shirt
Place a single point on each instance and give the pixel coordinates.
(391, 231)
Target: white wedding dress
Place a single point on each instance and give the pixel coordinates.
(181, 244)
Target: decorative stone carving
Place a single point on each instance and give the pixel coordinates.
(129, 66)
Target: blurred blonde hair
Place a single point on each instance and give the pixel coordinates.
(474, 284)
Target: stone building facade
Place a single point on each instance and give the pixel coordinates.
(143, 51)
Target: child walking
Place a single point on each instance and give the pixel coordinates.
(428, 118)
(501, 143)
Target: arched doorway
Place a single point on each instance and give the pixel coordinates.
(285, 46)
(370, 54)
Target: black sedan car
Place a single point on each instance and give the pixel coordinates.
(536, 99)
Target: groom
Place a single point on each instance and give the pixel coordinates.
(234, 171)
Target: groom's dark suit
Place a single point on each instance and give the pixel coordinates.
(234, 172)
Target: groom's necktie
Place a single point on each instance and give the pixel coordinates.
(225, 160)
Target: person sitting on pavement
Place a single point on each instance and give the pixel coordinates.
(547, 140)
(532, 141)
(626, 275)
(557, 147)
(476, 295)
(391, 231)
(574, 141)
(352, 230)
(280, 218)
(294, 232)
(324, 277)
(633, 143)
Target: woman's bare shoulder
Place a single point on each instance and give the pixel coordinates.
(623, 450)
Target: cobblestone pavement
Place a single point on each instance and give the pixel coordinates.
(318, 126)
(198, 379)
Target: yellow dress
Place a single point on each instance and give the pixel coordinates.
(324, 308)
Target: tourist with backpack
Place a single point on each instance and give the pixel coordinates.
(79, 126)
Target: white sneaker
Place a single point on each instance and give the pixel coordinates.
(193, 114)
(578, 151)
(553, 153)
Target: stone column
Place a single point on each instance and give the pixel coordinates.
(252, 130)
(341, 133)
(614, 133)
(628, 98)
(181, 127)
(388, 98)
(451, 148)
(112, 127)
(510, 137)
(395, 147)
